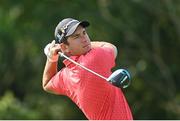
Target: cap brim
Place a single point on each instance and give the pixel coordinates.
(73, 29)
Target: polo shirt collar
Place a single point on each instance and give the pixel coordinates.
(68, 63)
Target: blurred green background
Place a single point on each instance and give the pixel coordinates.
(146, 33)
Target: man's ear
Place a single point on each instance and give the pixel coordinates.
(64, 48)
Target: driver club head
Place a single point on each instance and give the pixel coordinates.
(120, 78)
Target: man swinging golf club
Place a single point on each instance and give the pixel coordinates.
(86, 78)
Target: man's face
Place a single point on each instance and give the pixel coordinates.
(79, 42)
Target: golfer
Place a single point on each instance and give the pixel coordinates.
(97, 98)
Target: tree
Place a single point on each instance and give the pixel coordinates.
(146, 33)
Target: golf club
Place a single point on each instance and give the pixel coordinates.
(119, 78)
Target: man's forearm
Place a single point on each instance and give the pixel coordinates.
(97, 44)
(104, 44)
(49, 71)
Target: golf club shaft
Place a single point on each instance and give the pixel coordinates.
(62, 54)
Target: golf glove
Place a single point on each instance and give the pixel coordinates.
(51, 54)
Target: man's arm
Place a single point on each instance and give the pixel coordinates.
(50, 69)
(104, 44)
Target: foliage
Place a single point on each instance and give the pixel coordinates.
(12, 108)
(146, 33)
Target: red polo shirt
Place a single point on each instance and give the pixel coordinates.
(97, 98)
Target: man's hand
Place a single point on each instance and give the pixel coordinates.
(51, 51)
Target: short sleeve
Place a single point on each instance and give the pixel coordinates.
(110, 52)
(106, 56)
(56, 84)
